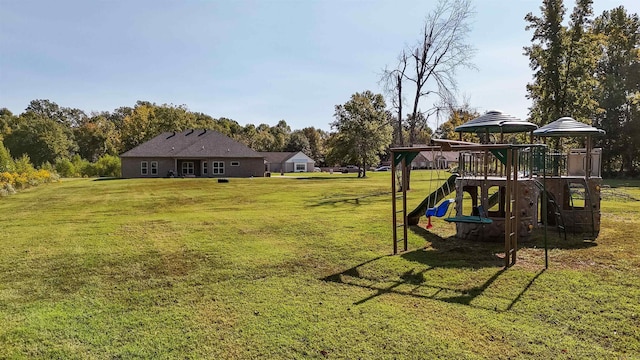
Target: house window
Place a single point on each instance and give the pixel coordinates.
(187, 168)
(144, 168)
(217, 167)
(154, 168)
(204, 168)
(235, 163)
(301, 167)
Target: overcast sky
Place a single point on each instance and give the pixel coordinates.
(251, 61)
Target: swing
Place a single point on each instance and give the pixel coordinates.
(438, 211)
(441, 209)
(475, 218)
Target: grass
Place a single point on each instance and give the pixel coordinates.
(299, 268)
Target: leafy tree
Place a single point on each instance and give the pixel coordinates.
(618, 92)
(6, 161)
(172, 118)
(138, 127)
(457, 117)
(563, 59)
(96, 137)
(280, 133)
(118, 115)
(43, 139)
(363, 130)
(263, 139)
(69, 117)
(229, 127)
(203, 121)
(298, 142)
(7, 122)
(317, 144)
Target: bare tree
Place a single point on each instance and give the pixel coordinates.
(441, 50)
(392, 85)
(429, 66)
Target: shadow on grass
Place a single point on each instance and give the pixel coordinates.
(616, 183)
(339, 177)
(556, 240)
(449, 253)
(348, 200)
(107, 178)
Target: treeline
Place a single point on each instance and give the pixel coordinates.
(589, 68)
(78, 144)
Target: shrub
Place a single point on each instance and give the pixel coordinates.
(23, 165)
(65, 168)
(6, 161)
(108, 165)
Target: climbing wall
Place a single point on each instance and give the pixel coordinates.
(494, 232)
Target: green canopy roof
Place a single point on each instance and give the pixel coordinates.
(496, 121)
(567, 127)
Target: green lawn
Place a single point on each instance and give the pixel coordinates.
(285, 268)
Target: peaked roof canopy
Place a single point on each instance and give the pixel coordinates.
(567, 126)
(495, 121)
(278, 156)
(192, 144)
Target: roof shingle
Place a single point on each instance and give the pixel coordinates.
(192, 144)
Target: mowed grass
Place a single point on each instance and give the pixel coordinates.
(285, 268)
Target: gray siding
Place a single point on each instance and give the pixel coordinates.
(131, 167)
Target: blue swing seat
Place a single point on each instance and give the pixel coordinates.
(440, 210)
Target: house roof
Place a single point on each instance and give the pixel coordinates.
(192, 144)
(450, 156)
(282, 157)
(495, 121)
(275, 157)
(567, 126)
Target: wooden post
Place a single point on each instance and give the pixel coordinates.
(393, 203)
(405, 185)
(516, 221)
(507, 218)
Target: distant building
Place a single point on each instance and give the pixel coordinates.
(287, 162)
(435, 160)
(192, 153)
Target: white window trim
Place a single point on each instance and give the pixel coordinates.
(215, 167)
(192, 168)
(205, 168)
(235, 163)
(144, 168)
(295, 167)
(154, 168)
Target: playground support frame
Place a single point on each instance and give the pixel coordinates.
(403, 156)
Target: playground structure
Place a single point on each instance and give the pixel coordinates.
(503, 191)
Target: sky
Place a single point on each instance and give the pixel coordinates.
(252, 61)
